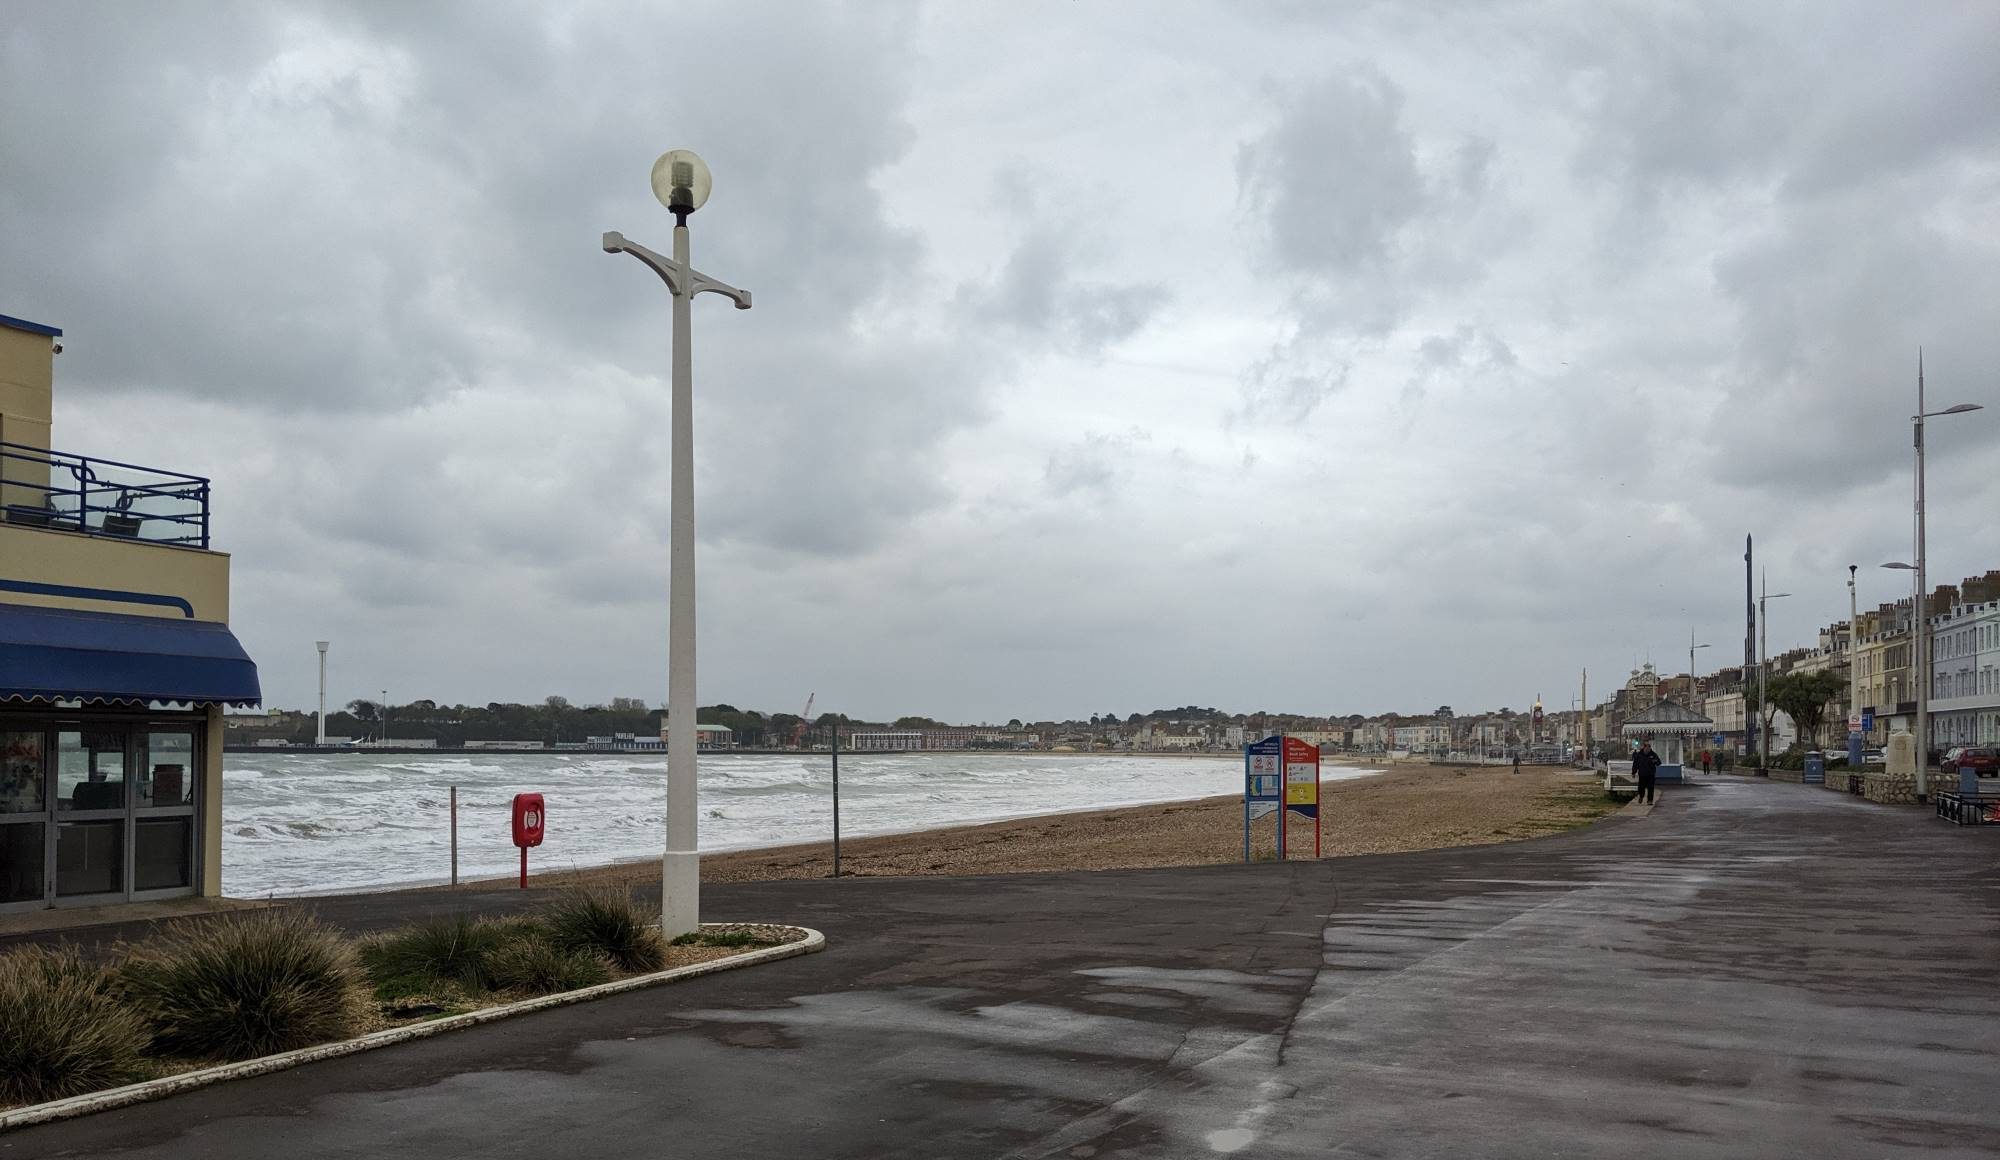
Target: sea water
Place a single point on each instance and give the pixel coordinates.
(314, 823)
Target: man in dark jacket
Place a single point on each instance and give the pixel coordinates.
(1646, 764)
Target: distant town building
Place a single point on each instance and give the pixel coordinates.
(1965, 667)
(706, 736)
(884, 740)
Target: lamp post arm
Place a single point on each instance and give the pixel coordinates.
(703, 284)
(679, 279)
(669, 270)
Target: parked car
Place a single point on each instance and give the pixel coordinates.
(1984, 759)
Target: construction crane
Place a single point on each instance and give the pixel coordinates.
(805, 719)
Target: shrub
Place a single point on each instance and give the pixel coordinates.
(245, 987)
(438, 955)
(611, 925)
(62, 1032)
(528, 964)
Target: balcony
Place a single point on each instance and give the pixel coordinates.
(62, 492)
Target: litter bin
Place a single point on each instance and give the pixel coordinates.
(1815, 769)
(1968, 782)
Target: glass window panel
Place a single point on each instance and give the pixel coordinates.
(90, 857)
(90, 769)
(165, 774)
(21, 859)
(160, 853)
(21, 772)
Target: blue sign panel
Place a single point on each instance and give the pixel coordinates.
(1263, 783)
(1868, 720)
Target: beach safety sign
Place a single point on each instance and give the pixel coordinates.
(1280, 776)
(1301, 777)
(1262, 779)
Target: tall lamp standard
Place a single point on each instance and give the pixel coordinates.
(1853, 673)
(1687, 758)
(1691, 647)
(681, 181)
(1764, 671)
(320, 730)
(1920, 634)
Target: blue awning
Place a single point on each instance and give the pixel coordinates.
(64, 654)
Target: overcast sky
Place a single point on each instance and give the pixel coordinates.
(1105, 356)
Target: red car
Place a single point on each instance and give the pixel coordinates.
(1984, 759)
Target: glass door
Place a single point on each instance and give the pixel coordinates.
(163, 811)
(24, 819)
(91, 813)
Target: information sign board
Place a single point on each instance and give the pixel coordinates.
(1302, 783)
(1263, 792)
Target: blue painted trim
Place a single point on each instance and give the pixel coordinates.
(110, 595)
(30, 327)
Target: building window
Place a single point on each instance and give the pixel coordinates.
(97, 807)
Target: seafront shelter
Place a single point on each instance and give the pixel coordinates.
(1675, 731)
(116, 662)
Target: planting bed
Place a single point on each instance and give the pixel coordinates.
(220, 999)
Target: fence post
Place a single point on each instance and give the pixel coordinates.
(454, 835)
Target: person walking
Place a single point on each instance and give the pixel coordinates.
(1646, 764)
(1707, 761)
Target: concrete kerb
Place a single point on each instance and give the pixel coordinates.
(154, 1089)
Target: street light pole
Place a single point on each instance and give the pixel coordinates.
(1763, 670)
(1691, 647)
(1853, 673)
(1920, 635)
(681, 181)
(385, 716)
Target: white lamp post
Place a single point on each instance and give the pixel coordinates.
(320, 730)
(1853, 673)
(1763, 671)
(1920, 635)
(681, 181)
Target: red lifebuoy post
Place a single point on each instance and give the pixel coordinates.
(530, 821)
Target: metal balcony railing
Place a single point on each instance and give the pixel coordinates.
(101, 497)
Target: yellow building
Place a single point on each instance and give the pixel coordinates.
(1882, 669)
(116, 661)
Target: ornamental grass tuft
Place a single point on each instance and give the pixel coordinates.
(607, 924)
(534, 966)
(62, 1031)
(244, 987)
(439, 955)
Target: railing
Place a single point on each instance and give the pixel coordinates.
(101, 497)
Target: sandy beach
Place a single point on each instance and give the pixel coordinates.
(1406, 808)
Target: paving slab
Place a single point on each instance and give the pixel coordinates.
(1748, 969)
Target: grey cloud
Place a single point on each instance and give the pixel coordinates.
(1465, 357)
(1038, 293)
(1358, 228)
(1831, 307)
(1095, 464)
(1289, 383)
(1335, 179)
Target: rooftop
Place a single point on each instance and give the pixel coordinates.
(13, 323)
